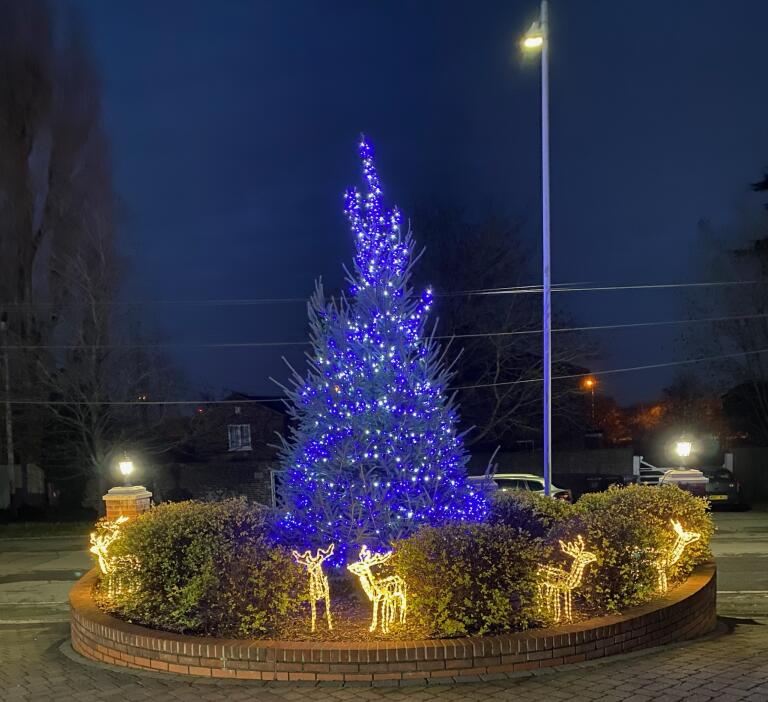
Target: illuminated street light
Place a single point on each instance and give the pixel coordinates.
(590, 384)
(126, 468)
(533, 41)
(537, 39)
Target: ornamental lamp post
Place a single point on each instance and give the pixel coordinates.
(126, 500)
(537, 39)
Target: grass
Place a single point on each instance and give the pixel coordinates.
(21, 530)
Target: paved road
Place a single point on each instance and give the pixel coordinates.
(741, 549)
(35, 577)
(732, 665)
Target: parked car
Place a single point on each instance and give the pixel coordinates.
(523, 481)
(723, 489)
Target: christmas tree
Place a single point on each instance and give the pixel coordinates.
(375, 451)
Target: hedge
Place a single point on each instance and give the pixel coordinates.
(529, 511)
(470, 579)
(626, 528)
(213, 568)
(208, 568)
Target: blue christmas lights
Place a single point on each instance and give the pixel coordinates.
(375, 452)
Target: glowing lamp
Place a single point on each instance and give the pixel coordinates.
(534, 37)
(533, 42)
(126, 468)
(683, 448)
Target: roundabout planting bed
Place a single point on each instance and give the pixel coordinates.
(687, 611)
(207, 589)
(385, 562)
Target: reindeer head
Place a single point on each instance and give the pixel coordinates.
(687, 537)
(310, 561)
(575, 549)
(366, 560)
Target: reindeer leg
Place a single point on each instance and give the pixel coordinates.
(375, 602)
(327, 593)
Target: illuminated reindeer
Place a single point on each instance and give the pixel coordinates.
(389, 592)
(556, 583)
(668, 559)
(318, 581)
(101, 541)
(117, 570)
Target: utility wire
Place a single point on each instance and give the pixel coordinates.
(517, 290)
(268, 344)
(605, 288)
(236, 302)
(612, 371)
(569, 376)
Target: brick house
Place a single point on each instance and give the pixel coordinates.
(227, 449)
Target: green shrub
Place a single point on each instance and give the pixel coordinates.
(522, 509)
(469, 579)
(627, 528)
(208, 568)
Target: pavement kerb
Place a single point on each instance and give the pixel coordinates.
(721, 631)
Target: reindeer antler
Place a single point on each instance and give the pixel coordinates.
(370, 558)
(326, 552)
(573, 548)
(301, 557)
(308, 559)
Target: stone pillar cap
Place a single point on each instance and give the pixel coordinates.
(121, 492)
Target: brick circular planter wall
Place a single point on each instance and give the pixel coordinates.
(686, 612)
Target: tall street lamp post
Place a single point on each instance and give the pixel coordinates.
(537, 39)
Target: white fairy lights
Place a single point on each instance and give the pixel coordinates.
(319, 588)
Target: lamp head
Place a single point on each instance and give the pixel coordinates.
(126, 468)
(683, 448)
(533, 38)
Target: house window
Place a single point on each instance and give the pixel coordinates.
(239, 437)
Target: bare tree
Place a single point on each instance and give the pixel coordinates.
(59, 270)
(104, 381)
(738, 252)
(499, 335)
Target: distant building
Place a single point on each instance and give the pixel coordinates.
(227, 449)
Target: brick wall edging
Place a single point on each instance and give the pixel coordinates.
(686, 612)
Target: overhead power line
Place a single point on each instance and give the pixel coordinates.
(569, 376)
(443, 337)
(513, 290)
(649, 366)
(606, 288)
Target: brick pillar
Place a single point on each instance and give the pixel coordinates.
(127, 501)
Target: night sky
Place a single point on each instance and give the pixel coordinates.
(234, 124)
